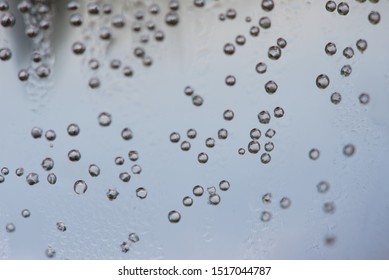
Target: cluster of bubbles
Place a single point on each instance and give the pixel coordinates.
(133, 238)
(197, 100)
(267, 198)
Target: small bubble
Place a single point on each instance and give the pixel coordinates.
(349, 150)
(10, 227)
(125, 177)
(2, 179)
(240, 40)
(4, 6)
(127, 71)
(32, 178)
(47, 164)
(330, 240)
(136, 169)
(222, 134)
(78, 48)
(198, 190)
(269, 146)
(271, 87)
(248, 19)
(8, 19)
(274, 52)
(265, 22)
(107, 9)
(346, 70)
(141, 193)
(5, 54)
(329, 207)
(197, 100)
(323, 187)
(322, 81)
(253, 147)
(112, 194)
(364, 98)
(61, 226)
(174, 216)
(187, 201)
(265, 158)
(210, 142)
(241, 151)
(23, 75)
(348, 52)
(118, 21)
(175, 137)
(25, 6)
(133, 237)
(267, 5)
(93, 64)
(261, 68)
(71, 5)
(343, 8)
(231, 13)
(285, 202)
(281, 42)
(228, 115)
(104, 119)
(188, 91)
(26, 213)
(361, 45)
(126, 132)
(51, 178)
(32, 31)
(314, 154)
(125, 247)
(50, 135)
(214, 199)
(172, 18)
(230, 80)
(73, 129)
(336, 97)
(191, 133)
(185, 146)
(74, 155)
(229, 49)
(174, 5)
(265, 216)
(159, 35)
(5, 171)
(264, 117)
(43, 71)
(330, 48)
(202, 157)
(266, 198)
(270, 133)
(133, 155)
(94, 170)
(199, 3)
(94, 83)
(75, 19)
(80, 187)
(211, 190)
(224, 185)
(147, 61)
(222, 17)
(93, 8)
(254, 31)
(374, 17)
(50, 252)
(154, 9)
(119, 160)
(278, 112)
(255, 134)
(330, 6)
(115, 64)
(19, 172)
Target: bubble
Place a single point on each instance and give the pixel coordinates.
(175, 137)
(44, 24)
(199, 3)
(80, 187)
(112, 194)
(265, 22)
(141, 193)
(271, 87)
(154, 9)
(136, 169)
(187, 201)
(348, 52)
(159, 35)
(336, 97)
(228, 115)
(78, 48)
(330, 48)
(202, 157)
(229, 49)
(19, 171)
(127, 71)
(322, 81)
(198, 190)
(73, 129)
(274, 52)
(214, 199)
(254, 31)
(5, 171)
(61, 226)
(94, 83)
(343, 8)
(230, 80)
(94, 170)
(172, 18)
(264, 117)
(222, 134)
(147, 61)
(364, 98)
(267, 5)
(75, 19)
(191, 133)
(253, 147)
(266, 198)
(174, 216)
(119, 160)
(361, 45)
(125, 247)
(105, 119)
(71, 5)
(115, 64)
(50, 252)
(74, 155)
(47, 164)
(265, 216)
(51, 178)
(329, 207)
(4, 6)
(314, 154)
(93, 64)
(222, 17)
(43, 71)
(265, 158)
(210, 142)
(23, 75)
(185, 146)
(231, 13)
(269, 146)
(26, 213)
(107, 9)
(374, 17)
(281, 42)
(349, 150)
(32, 31)
(278, 112)
(24, 6)
(248, 19)
(197, 100)
(188, 91)
(241, 151)
(174, 5)
(2, 179)
(125, 177)
(323, 187)
(270, 133)
(330, 6)
(240, 40)
(346, 70)
(261, 68)
(10, 227)
(285, 202)
(330, 240)
(32, 178)
(133, 155)
(224, 185)
(8, 19)
(5, 54)
(93, 8)
(255, 133)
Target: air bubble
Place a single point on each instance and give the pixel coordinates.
(254, 31)
(343, 8)
(78, 48)
(285, 202)
(93, 64)
(269, 146)
(264, 117)
(329, 240)
(346, 70)
(133, 155)
(80, 187)
(214, 199)
(175, 137)
(19, 171)
(5, 54)
(50, 252)
(349, 150)
(23, 75)
(93, 8)
(141, 193)
(51, 178)
(265, 158)
(348, 52)
(323, 187)
(336, 97)
(210, 142)
(94, 170)
(364, 98)
(266, 198)
(174, 216)
(2, 179)
(278, 112)
(224, 185)
(25, 6)
(314, 154)
(265, 22)
(270, 133)
(94, 83)
(199, 3)
(5, 171)
(330, 6)
(107, 9)
(261, 67)
(197, 100)
(61, 226)
(136, 169)
(127, 71)
(229, 49)
(274, 52)
(240, 40)
(75, 19)
(119, 160)
(241, 151)
(202, 157)
(329, 207)
(248, 19)
(32, 178)
(159, 35)
(222, 17)
(26, 213)
(255, 134)
(125, 247)
(374, 17)
(191, 133)
(187, 201)
(222, 134)
(281, 42)
(228, 115)
(73, 129)
(230, 80)
(185, 146)
(174, 5)
(188, 91)
(74, 155)
(133, 237)
(112, 194)
(125, 177)
(231, 13)
(361, 45)
(8, 19)
(198, 190)
(115, 64)
(253, 147)
(322, 81)
(4, 6)
(265, 216)
(127, 133)
(47, 164)
(330, 48)
(271, 87)
(154, 9)
(267, 5)
(104, 119)
(172, 18)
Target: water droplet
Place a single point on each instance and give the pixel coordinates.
(210, 142)
(271, 87)
(336, 97)
(105, 119)
(329, 207)
(80, 187)
(361, 45)
(265, 216)
(241, 151)
(8, 19)
(133, 155)
(172, 18)
(187, 201)
(36, 132)
(61, 226)
(198, 190)
(240, 40)
(230, 80)
(265, 158)
(269, 146)
(265, 22)
(364, 98)
(32, 178)
(264, 117)
(19, 171)
(119, 160)
(202, 157)
(51, 178)
(278, 112)
(228, 115)
(254, 31)
(266, 198)
(23, 75)
(175, 137)
(5, 171)
(261, 68)
(50, 252)
(78, 48)
(112, 194)
(348, 52)
(270, 133)
(267, 5)
(73, 129)
(323, 187)
(274, 52)
(136, 169)
(254, 147)
(126, 133)
(343, 8)
(50, 135)
(330, 6)
(214, 199)
(330, 48)
(374, 17)
(26, 213)
(94, 170)
(74, 155)
(185, 146)
(349, 150)
(224, 185)
(191, 133)
(47, 164)
(346, 70)
(322, 81)
(285, 202)
(10, 227)
(197, 100)
(222, 134)
(314, 154)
